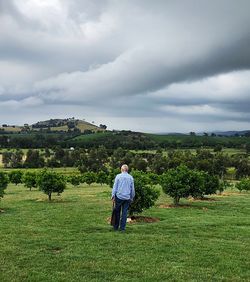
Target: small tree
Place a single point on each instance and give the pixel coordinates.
(244, 184)
(102, 177)
(153, 178)
(51, 182)
(145, 194)
(111, 177)
(223, 185)
(89, 177)
(248, 148)
(175, 183)
(15, 176)
(218, 148)
(30, 179)
(75, 180)
(211, 184)
(183, 182)
(4, 180)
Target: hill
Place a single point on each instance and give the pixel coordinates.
(55, 125)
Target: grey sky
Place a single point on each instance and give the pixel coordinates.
(155, 66)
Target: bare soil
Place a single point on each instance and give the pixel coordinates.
(203, 199)
(171, 206)
(145, 219)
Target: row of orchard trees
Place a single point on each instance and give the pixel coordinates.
(101, 159)
(178, 183)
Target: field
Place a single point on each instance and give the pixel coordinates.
(70, 239)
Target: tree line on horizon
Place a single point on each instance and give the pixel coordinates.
(115, 139)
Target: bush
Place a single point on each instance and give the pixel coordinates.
(75, 180)
(102, 177)
(30, 179)
(211, 184)
(175, 183)
(111, 177)
(154, 178)
(223, 185)
(15, 176)
(89, 177)
(51, 182)
(4, 180)
(145, 194)
(244, 184)
(183, 182)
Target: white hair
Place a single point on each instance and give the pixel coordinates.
(124, 167)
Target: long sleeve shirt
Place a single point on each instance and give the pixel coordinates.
(123, 187)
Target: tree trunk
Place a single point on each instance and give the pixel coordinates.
(49, 197)
(176, 201)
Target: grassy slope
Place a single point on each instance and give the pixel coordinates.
(82, 125)
(94, 136)
(11, 128)
(69, 239)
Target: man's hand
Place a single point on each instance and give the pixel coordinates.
(113, 199)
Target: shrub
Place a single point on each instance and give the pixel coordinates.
(102, 177)
(111, 177)
(211, 184)
(145, 194)
(244, 184)
(29, 179)
(153, 178)
(51, 182)
(4, 180)
(175, 183)
(15, 176)
(183, 182)
(89, 177)
(75, 180)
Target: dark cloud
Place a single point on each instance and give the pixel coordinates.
(181, 61)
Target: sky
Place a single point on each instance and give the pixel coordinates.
(153, 66)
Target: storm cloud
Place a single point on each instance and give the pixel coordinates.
(144, 65)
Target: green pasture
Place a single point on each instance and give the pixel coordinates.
(228, 151)
(70, 239)
(92, 137)
(63, 170)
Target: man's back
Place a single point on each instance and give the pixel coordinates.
(124, 186)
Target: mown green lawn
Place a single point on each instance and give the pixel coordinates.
(70, 239)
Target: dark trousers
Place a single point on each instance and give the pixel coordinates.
(121, 220)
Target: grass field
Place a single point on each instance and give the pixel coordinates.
(70, 239)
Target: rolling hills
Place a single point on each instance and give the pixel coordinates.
(54, 125)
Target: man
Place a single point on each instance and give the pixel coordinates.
(123, 193)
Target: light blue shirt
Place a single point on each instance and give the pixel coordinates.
(124, 187)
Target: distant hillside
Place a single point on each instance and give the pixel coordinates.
(55, 125)
(232, 133)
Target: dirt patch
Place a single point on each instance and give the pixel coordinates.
(2, 211)
(203, 199)
(55, 250)
(139, 219)
(146, 219)
(229, 194)
(171, 206)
